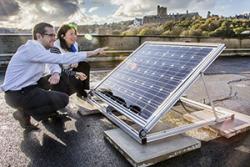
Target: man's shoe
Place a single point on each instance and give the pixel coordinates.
(54, 118)
(61, 117)
(56, 121)
(24, 121)
(82, 95)
(31, 127)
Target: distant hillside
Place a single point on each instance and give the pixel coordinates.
(106, 29)
(13, 31)
(211, 27)
(101, 29)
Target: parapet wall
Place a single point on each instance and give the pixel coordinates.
(10, 43)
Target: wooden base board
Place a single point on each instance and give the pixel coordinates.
(150, 153)
(231, 127)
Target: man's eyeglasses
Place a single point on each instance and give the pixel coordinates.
(50, 35)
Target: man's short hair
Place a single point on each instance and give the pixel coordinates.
(40, 28)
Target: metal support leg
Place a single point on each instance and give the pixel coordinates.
(209, 98)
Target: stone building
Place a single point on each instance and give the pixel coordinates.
(137, 22)
(162, 16)
(243, 16)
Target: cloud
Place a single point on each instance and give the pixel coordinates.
(93, 9)
(25, 13)
(8, 8)
(133, 9)
(139, 8)
(31, 12)
(57, 8)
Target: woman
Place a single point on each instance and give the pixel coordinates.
(74, 77)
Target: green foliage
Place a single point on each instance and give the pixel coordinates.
(184, 24)
(195, 33)
(116, 32)
(210, 27)
(239, 30)
(222, 32)
(132, 31)
(185, 33)
(167, 33)
(205, 34)
(168, 26)
(148, 31)
(175, 32)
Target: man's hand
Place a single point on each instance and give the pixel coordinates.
(97, 51)
(74, 65)
(54, 79)
(81, 76)
(101, 50)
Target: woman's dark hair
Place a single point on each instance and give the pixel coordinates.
(61, 34)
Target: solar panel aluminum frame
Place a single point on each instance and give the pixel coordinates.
(203, 65)
(116, 120)
(147, 125)
(141, 122)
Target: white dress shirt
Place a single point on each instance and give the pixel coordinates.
(57, 45)
(27, 65)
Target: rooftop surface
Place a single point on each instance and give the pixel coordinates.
(82, 143)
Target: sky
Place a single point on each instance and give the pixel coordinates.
(24, 14)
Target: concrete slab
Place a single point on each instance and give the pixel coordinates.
(151, 153)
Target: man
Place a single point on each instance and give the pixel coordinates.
(27, 66)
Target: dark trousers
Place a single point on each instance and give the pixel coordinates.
(36, 102)
(69, 84)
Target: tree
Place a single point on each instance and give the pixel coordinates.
(239, 30)
(212, 26)
(168, 26)
(148, 31)
(132, 31)
(175, 32)
(195, 33)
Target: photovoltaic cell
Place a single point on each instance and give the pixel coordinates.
(150, 75)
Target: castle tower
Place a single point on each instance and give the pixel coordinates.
(208, 14)
(161, 11)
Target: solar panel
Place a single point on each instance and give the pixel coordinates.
(152, 76)
(145, 80)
